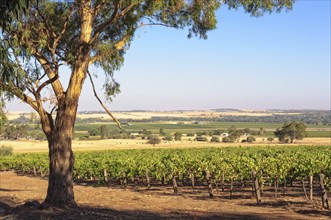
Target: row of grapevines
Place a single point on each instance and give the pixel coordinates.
(223, 164)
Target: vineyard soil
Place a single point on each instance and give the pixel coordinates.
(140, 203)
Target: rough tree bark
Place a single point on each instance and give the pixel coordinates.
(61, 158)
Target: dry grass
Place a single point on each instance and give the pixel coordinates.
(41, 146)
(147, 115)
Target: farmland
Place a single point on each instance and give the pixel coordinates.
(185, 122)
(204, 173)
(172, 127)
(212, 177)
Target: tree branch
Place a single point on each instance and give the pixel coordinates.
(56, 84)
(101, 103)
(118, 45)
(47, 82)
(11, 88)
(98, 7)
(45, 21)
(115, 16)
(31, 89)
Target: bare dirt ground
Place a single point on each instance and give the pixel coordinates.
(132, 202)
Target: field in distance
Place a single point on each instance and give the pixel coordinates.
(22, 146)
(142, 114)
(185, 122)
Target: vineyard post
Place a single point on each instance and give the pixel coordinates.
(193, 180)
(242, 184)
(311, 187)
(210, 186)
(148, 179)
(231, 187)
(222, 183)
(276, 186)
(125, 180)
(105, 174)
(174, 183)
(163, 181)
(304, 188)
(324, 194)
(256, 187)
(261, 183)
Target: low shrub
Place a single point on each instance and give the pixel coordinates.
(228, 140)
(250, 139)
(215, 139)
(6, 151)
(201, 138)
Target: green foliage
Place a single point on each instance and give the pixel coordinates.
(3, 118)
(250, 139)
(261, 131)
(154, 140)
(247, 130)
(162, 132)
(201, 138)
(168, 138)
(104, 132)
(234, 133)
(178, 136)
(228, 139)
(291, 131)
(37, 135)
(94, 132)
(14, 131)
(235, 163)
(201, 133)
(6, 151)
(215, 139)
(190, 134)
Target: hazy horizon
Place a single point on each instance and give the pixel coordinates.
(278, 61)
(187, 110)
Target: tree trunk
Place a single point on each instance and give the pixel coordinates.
(60, 181)
(61, 158)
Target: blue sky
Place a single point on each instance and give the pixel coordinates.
(276, 61)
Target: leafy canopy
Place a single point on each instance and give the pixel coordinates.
(50, 34)
(292, 130)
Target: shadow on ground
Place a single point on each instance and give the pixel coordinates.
(30, 211)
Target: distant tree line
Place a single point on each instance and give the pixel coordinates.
(314, 117)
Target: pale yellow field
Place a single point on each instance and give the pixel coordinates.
(41, 146)
(147, 115)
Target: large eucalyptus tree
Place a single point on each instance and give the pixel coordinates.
(78, 34)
